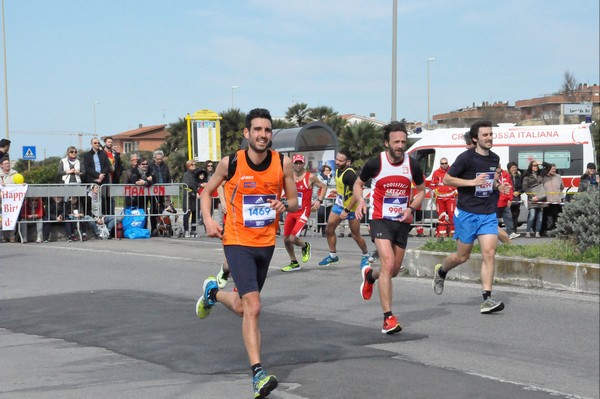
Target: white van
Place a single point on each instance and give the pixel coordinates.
(570, 147)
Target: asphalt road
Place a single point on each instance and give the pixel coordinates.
(115, 319)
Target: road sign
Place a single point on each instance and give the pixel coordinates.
(29, 153)
(577, 109)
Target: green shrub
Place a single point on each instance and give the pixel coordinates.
(579, 221)
(561, 250)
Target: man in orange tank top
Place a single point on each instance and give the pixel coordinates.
(295, 221)
(254, 181)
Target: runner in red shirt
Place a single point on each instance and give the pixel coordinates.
(295, 221)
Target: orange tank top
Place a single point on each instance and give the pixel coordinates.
(250, 220)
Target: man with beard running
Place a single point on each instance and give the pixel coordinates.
(391, 214)
(254, 181)
(343, 209)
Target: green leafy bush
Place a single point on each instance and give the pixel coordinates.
(561, 250)
(580, 220)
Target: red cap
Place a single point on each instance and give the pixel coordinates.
(298, 158)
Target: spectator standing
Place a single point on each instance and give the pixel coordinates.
(4, 148)
(534, 188)
(190, 203)
(445, 200)
(142, 177)
(96, 165)
(133, 164)
(326, 176)
(31, 211)
(589, 180)
(114, 157)
(161, 175)
(295, 221)
(343, 209)
(6, 172)
(209, 167)
(69, 167)
(114, 176)
(505, 202)
(517, 183)
(553, 185)
(474, 173)
(202, 179)
(6, 177)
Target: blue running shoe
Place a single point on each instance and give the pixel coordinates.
(204, 304)
(328, 260)
(263, 384)
(364, 261)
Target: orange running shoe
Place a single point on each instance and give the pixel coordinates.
(391, 325)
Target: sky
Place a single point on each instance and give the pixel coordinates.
(107, 66)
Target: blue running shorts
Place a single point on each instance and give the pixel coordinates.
(338, 210)
(467, 225)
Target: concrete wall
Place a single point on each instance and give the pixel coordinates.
(524, 272)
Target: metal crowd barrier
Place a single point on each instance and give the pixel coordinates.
(119, 196)
(115, 198)
(47, 193)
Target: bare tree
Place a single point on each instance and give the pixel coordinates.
(569, 87)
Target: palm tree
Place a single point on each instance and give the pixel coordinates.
(282, 124)
(176, 149)
(337, 123)
(363, 140)
(322, 113)
(232, 130)
(298, 114)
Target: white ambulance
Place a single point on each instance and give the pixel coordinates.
(570, 147)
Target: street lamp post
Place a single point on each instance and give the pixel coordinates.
(394, 57)
(232, 89)
(95, 102)
(429, 60)
(5, 74)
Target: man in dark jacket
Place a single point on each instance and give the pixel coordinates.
(159, 169)
(190, 204)
(96, 164)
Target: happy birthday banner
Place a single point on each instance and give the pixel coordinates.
(12, 196)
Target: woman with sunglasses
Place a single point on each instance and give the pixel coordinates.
(69, 168)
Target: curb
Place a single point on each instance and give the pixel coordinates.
(523, 272)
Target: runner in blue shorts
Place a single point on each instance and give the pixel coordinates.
(344, 208)
(474, 173)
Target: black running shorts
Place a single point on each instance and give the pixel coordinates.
(248, 266)
(394, 231)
